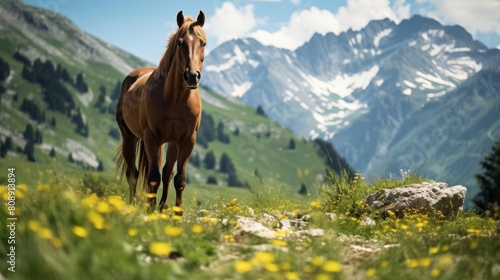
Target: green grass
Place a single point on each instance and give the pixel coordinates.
(65, 231)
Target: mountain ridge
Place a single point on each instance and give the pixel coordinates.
(358, 88)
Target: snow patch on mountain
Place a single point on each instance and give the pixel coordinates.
(380, 36)
(240, 90)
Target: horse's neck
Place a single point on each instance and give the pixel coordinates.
(174, 89)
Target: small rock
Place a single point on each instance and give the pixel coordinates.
(426, 198)
(331, 216)
(250, 226)
(202, 213)
(267, 217)
(251, 211)
(315, 232)
(306, 218)
(367, 221)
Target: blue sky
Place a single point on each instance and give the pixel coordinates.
(142, 27)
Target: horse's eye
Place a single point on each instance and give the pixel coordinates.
(203, 44)
(180, 43)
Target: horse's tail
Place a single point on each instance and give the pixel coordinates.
(121, 165)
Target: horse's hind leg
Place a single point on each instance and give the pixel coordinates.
(152, 148)
(128, 150)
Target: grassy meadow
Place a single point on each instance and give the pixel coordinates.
(68, 229)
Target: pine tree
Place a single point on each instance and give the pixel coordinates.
(291, 144)
(4, 70)
(211, 180)
(260, 111)
(29, 150)
(80, 83)
(221, 136)
(28, 133)
(38, 137)
(303, 190)
(52, 152)
(195, 160)
(3, 150)
(209, 160)
(100, 166)
(488, 197)
(226, 164)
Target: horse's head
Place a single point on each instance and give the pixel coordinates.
(191, 48)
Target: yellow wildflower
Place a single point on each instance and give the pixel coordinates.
(435, 272)
(445, 261)
(242, 266)
(150, 195)
(411, 263)
(316, 204)
(332, 266)
(176, 218)
(264, 257)
(79, 231)
(229, 237)
(291, 275)
(34, 225)
(278, 242)
(197, 228)
(117, 202)
(89, 201)
(434, 250)
(160, 248)
(45, 233)
(233, 201)
(384, 264)
(318, 261)
(424, 262)
(103, 207)
(271, 267)
(132, 232)
(371, 272)
(96, 219)
(42, 187)
(172, 231)
(177, 209)
(322, 276)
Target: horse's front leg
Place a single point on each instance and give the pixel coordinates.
(152, 147)
(167, 173)
(184, 152)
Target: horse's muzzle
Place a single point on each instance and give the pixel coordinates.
(192, 79)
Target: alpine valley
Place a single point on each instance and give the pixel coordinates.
(417, 95)
(59, 87)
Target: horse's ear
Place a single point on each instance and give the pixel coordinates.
(201, 19)
(180, 18)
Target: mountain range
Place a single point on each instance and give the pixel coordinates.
(416, 95)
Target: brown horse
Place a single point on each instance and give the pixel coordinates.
(163, 105)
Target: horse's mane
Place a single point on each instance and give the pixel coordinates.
(189, 26)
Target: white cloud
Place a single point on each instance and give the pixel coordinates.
(300, 28)
(475, 16)
(230, 22)
(303, 24)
